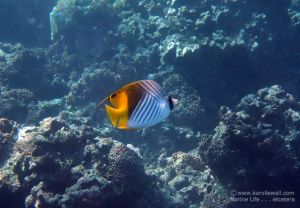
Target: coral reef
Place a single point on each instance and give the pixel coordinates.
(188, 182)
(256, 147)
(15, 103)
(7, 134)
(97, 172)
(28, 78)
(96, 19)
(130, 40)
(198, 41)
(205, 53)
(92, 171)
(191, 110)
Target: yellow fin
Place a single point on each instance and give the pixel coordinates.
(113, 114)
(117, 116)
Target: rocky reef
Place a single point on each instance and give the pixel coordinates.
(58, 59)
(7, 133)
(220, 47)
(90, 172)
(57, 164)
(61, 164)
(256, 147)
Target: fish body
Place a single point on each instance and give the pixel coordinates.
(138, 104)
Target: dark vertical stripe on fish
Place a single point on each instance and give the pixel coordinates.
(146, 109)
(137, 107)
(142, 108)
(156, 108)
(151, 89)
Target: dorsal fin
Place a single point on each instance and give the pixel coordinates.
(102, 101)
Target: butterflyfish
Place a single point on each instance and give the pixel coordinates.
(138, 104)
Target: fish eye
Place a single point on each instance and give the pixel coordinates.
(113, 95)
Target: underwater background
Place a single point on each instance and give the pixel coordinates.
(233, 140)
